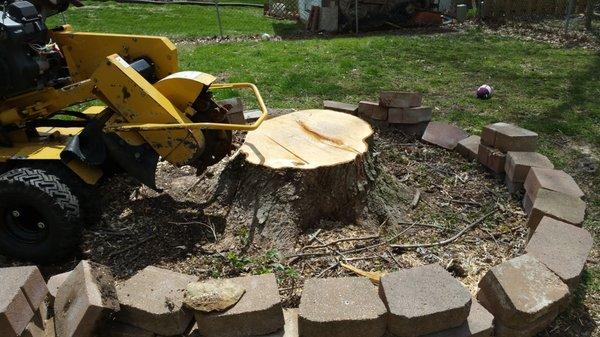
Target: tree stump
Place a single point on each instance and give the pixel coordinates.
(294, 171)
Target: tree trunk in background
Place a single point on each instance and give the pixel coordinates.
(589, 14)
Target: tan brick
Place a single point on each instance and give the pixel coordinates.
(556, 205)
(444, 135)
(54, 283)
(398, 99)
(530, 330)
(469, 147)
(512, 186)
(519, 163)
(341, 107)
(520, 291)
(84, 300)
(554, 180)
(492, 158)
(152, 300)
(30, 281)
(15, 311)
(508, 137)
(563, 248)
(372, 110)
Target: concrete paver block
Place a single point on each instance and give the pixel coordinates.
(152, 300)
(527, 204)
(562, 247)
(444, 135)
(512, 186)
(520, 291)
(258, 312)
(554, 180)
(39, 326)
(84, 300)
(519, 163)
(341, 307)
(341, 107)
(531, 330)
(508, 137)
(492, 158)
(556, 205)
(398, 99)
(372, 110)
(30, 281)
(424, 300)
(54, 283)
(480, 323)
(409, 115)
(469, 147)
(290, 328)
(15, 311)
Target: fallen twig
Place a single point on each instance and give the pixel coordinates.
(449, 240)
(123, 250)
(416, 199)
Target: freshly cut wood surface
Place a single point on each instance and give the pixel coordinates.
(307, 139)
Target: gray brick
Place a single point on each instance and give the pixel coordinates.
(554, 180)
(492, 158)
(480, 323)
(556, 205)
(562, 247)
(519, 163)
(371, 110)
(508, 137)
(341, 307)
(443, 302)
(469, 147)
(258, 312)
(153, 300)
(409, 115)
(520, 291)
(398, 99)
(341, 107)
(444, 135)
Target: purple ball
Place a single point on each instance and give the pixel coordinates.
(485, 92)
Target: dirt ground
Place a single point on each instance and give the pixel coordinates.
(135, 227)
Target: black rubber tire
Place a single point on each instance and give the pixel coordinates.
(44, 198)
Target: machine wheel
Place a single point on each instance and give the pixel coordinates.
(39, 215)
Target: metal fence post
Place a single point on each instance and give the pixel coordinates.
(219, 17)
(569, 14)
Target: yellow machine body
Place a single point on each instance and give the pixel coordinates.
(140, 113)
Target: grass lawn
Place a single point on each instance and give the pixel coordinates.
(551, 90)
(174, 21)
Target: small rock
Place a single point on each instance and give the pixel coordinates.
(212, 295)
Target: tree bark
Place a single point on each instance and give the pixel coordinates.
(295, 171)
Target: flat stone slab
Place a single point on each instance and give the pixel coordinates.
(341, 107)
(508, 137)
(409, 115)
(562, 247)
(560, 206)
(518, 164)
(554, 180)
(444, 135)
(153, 300)
(520, 291)
(258, 312)
(469, 147)
(492, 158)
(341, 307)
(480, 323)
(424, 300)
(84, 300)
(399, 99)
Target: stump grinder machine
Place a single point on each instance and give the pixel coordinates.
(55, 145)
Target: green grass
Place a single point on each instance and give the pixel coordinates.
(550, 90)
(174, 21)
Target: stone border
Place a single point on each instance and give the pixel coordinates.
(518, 297)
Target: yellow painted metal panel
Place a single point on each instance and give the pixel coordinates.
(183, 88)
(137, 101)
(86, 51)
